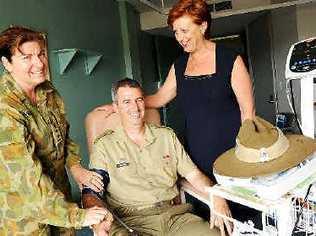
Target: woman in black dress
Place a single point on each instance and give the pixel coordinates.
(211, 83)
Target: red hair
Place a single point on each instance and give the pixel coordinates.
(196, 9)
(13, 37)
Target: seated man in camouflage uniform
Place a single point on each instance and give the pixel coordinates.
(142, 163)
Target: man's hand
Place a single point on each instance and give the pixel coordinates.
(221, 207)
(94, 215)
(201, 182)
(89, 178)
(104, 227)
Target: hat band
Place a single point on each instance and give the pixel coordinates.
(252, 155)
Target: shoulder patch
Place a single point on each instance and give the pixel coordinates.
(105, 133)
(155, 126)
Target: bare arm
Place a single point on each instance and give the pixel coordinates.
(91, 121)
(165, 94)
(201, 182)
(242, 87)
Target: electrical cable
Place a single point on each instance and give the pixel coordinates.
(301, 209)
(290, 98)
(294, 109)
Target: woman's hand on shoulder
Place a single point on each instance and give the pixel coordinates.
(107, 109)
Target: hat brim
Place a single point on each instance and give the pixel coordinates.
(300, 147)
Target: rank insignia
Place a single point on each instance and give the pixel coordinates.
(122, 163)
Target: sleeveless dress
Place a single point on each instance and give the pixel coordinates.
(211, 110)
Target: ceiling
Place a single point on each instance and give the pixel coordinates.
(223, 26)
(161, 5)
(224, 22)
(149, 5)
(165, 3)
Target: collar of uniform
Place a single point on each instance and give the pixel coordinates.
(149, 135)
(13, 87)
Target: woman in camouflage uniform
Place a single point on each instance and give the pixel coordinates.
(34, 144)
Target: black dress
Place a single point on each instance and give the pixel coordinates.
(212, 115)
(212, 119)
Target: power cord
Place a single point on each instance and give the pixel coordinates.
(294, 109)
(301, 209)
(290, 98)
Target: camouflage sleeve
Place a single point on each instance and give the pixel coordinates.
(72, 153)
(184, 162)
(25, 192)
(71, 149)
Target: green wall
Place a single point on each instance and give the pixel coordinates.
(130, 28)
(149, 66)
(93, 25)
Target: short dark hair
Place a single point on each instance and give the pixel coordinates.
(127, 82)
(13, 37)
(196, 9)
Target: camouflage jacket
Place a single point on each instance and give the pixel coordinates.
(34, 149)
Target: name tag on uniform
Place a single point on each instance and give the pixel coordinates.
(122, 163)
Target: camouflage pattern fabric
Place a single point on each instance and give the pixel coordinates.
(34, 150)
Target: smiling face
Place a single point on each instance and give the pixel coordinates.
(188, 34)
(28, 65)
(130, 106)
